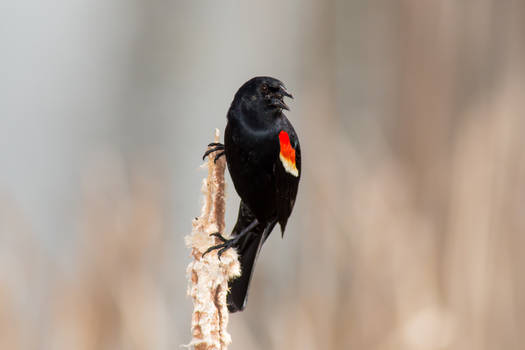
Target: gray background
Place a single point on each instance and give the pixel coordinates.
(408, 228)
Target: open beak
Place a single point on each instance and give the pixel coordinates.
(279, 103)
(277, 97)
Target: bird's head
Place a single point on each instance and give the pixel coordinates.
(263, 94)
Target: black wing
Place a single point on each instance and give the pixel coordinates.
(287, 183)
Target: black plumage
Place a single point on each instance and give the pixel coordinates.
(264, 160)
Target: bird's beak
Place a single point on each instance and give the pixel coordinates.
(279, 103)
(282, 91)
(286, 93)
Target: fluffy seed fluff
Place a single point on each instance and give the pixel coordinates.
(208, 277)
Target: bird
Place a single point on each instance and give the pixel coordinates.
(263, 156)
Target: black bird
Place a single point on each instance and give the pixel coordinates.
(264, 159)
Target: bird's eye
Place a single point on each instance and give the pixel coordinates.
(264, 88)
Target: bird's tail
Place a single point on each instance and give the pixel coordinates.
(248, 249)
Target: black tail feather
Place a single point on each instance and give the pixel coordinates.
(248, 249)
(237, 296)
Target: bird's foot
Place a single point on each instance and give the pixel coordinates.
(225, 245)
(215, 146)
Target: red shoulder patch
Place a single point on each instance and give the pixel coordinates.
(287, 154)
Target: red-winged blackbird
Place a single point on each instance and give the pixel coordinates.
(264, 159)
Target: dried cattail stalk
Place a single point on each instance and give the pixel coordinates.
(208, 276)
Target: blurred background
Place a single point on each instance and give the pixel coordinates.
(409, 227)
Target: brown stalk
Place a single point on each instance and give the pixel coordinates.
(208, 276)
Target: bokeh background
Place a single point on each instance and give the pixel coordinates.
(409, 228)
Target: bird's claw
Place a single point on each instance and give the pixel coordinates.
(215, 146)
(221, 247)
(220, 154)
(224, 246)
